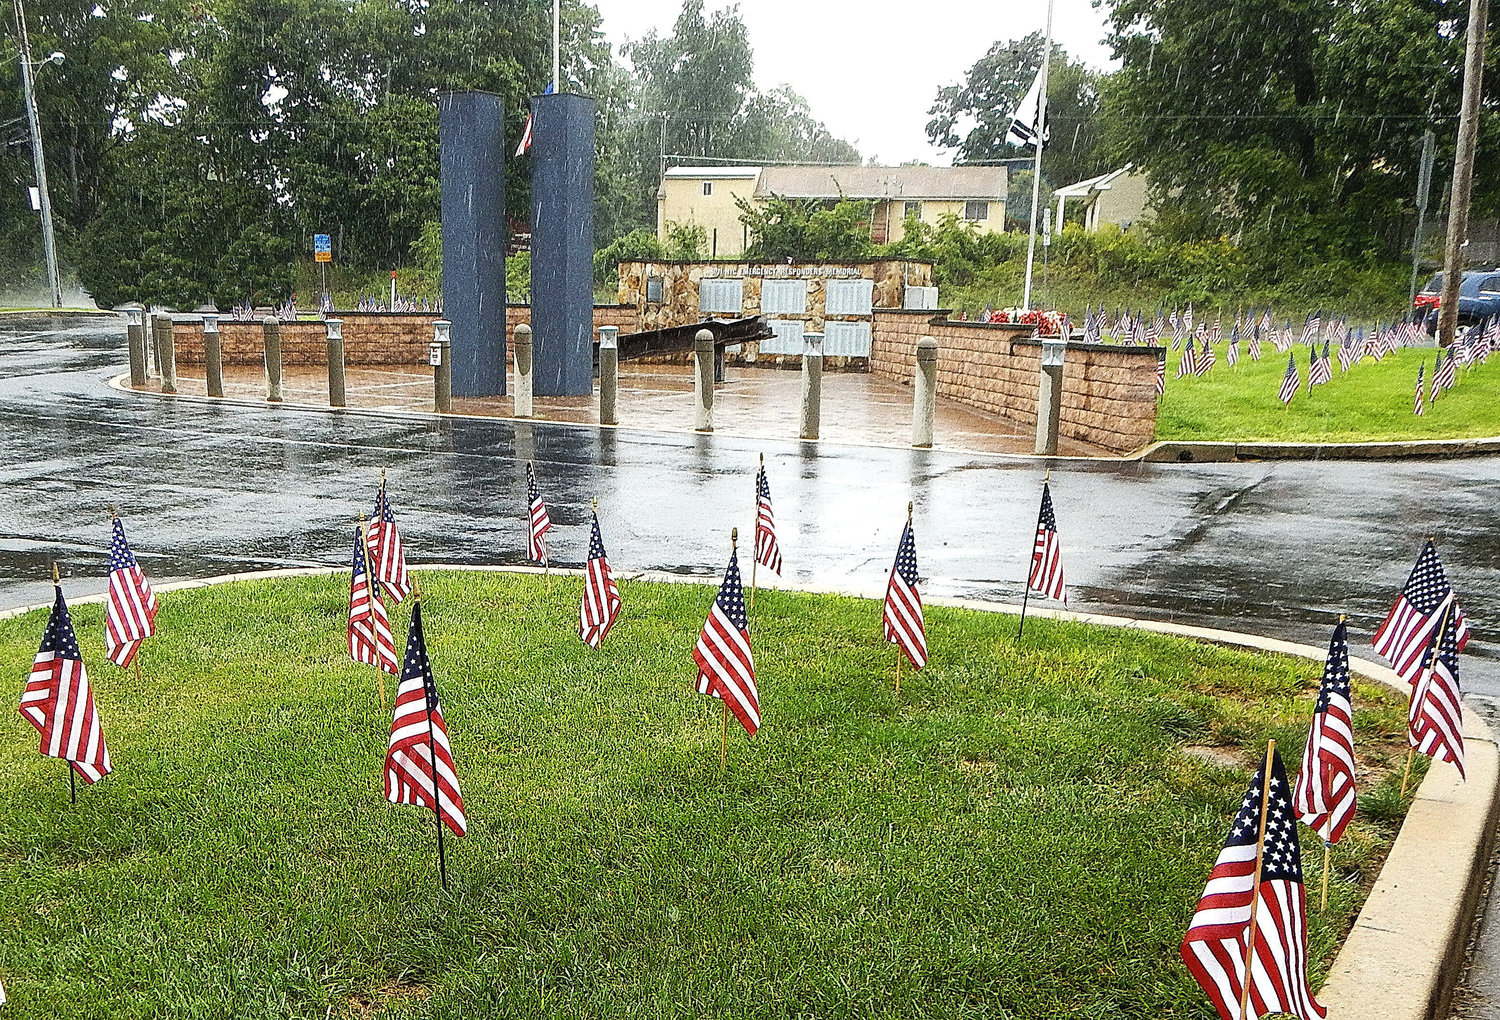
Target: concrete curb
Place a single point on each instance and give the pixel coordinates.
(1194, 452)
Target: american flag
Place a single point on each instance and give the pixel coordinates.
(1254, 344)
(1206, 358)
(1407, 632)
(525, 144)
(726, 669)
(419, 740)
(903, 603)
(1187, 318)
(1310, 327)
(1416, 407)
(1290, 382)
(1215, 331)
(1325, 794)
(1444, 375)
(601, 596)
(767, 549)
(59, 702)
(1319, 369)
(1090, 329)
(1435, 718)
(1346, 352)
(370, 638)
(1233, 351)
(1188, 363)
(1282, 338)
(1046, 577)
(536, 543)
(130, 613)
(1265, 319)
(1161, 375)
(387, 556)
(1215, 944)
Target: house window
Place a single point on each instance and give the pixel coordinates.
(911, 210)
(976, 210)
(708, 187)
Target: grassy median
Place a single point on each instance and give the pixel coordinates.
(1023, 831)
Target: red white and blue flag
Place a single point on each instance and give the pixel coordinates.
(1046, 577)
(1291, 381)
(601, 596)
(419, 760)
(525, 145)
(59, 702)
(1325, 795)
(387, 556)
(130, 611)
(540, 522)
(370, 639)
(767, 549)
(1435, 717)
(1407, 633)
(904, 626)
(726, 669)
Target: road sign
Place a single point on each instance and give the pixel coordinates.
(322, 248)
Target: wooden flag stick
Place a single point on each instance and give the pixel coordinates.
(1327, 852)
(1026, 584)
(1260, 848)
(437, 810)
(898, 669)
(72, 785)
(1407, 774)
(723, 735)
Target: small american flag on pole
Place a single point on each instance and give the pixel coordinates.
(726, 669)
(1325, 794)
(419, 760)
(541, 523)
(59, 701)
(903, 603)
(1290, 382)
(1319, 370)
(1161, 375)
(1206, 357)
(601, 596)
(1406, 634)
(1435, 717)
(1254, 911)
(767, 549)
(1188, 363)
(1416, 407)
(387, 556)
(370, 638)
(130, 612)
(1046, 577)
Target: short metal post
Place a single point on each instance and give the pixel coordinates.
(441, 356)
(213, 356)
(336, 395)
(1049, 396)
(167, 353)
(271, 327)
(703, 380)
(924, 393)
(812, 383)
(609, 374)
(135, 336)
(521, 341)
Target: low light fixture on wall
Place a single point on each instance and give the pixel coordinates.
(210, 323)
(335, 328)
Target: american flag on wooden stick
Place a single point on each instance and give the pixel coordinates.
(1161, 375)
(903, 603)
(767, 549)
(1319, 369)
(1325, 794)
(1268, 917)
(726, 669)
(1406, 634)
(370, 638)
(1205, 358)
(541, 523)
(419, 761)
(1416, 407)
(1435, 716)
(601, 596)
(1188, 363)
(387, 557)
(130, 611)
(59, 702)
(1291, 381)
(1046, 577)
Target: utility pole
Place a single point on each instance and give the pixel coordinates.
(1463, 172)
(1424, 188)
(38, 161)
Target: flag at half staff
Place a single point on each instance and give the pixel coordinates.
(370, 638)
(1435, 717)
(419, 760)
(1407, 633)
(130, 612)
(601, 596)
(726, 669)
(1027, 124)
(541, 522)
(59, 701)
(387, 556)
(903, 603)
(1046, 577)
(1325, 794)
(767, 549)
(1254, 909)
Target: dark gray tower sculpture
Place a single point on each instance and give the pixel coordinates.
(471, 160)
(562, 244)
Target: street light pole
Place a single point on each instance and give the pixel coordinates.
(28, 93)
(1463, 172)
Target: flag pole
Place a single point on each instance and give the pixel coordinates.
(1437, 639)
(1036, 172)
(1026, 591)
(755, 559)
(364, 537)
(1260, 849)
(437, 811)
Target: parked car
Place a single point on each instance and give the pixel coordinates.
(1478, 299)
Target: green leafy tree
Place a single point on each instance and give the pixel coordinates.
(807, 230)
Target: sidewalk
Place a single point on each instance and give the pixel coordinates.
(754, 402)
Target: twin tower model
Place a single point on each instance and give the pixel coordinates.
(472, 151)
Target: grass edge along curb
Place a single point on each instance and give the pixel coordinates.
(1405, 951)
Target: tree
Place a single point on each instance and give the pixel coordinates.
(807, 230)
(973, 117)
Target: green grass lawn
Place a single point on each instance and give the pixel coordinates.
(1371, 402)
(1019, 833)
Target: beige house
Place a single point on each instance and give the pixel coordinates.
(706, 196)
(1119, 197)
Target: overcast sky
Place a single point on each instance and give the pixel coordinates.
(870, 70)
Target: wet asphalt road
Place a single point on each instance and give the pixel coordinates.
(1275, 548)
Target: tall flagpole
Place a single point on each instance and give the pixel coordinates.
(1036, 173)
(557, 46)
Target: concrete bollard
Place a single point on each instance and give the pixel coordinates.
(213, 356)
(271, 327)
(336, 394)
(440, 354)
(167, 353)
(924, 393)
(609, 374)
(703, 380)
(135, 337)
(1049, 396)
(153, 364)
(812, 383)
(521, 342)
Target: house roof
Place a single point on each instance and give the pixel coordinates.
(1083, 189)
(882, 182)
(715, 172)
